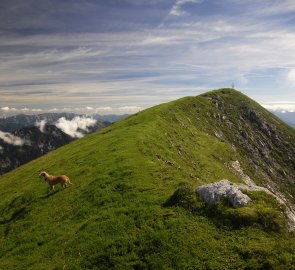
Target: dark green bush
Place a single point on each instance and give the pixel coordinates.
(184, 196)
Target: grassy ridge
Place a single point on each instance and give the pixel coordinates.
(114, 216)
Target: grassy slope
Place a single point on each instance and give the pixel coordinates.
(113, 216)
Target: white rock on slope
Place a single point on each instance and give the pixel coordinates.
(212, 193)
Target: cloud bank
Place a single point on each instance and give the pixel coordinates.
(127, 109)
(280, 107)
(73, 127)
(11, 139)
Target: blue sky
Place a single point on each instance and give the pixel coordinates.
(121, 56)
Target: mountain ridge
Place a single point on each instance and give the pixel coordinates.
(124, 177)
(16, 122)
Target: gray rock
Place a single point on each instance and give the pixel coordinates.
(212, 193)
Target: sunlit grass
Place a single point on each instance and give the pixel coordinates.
(115, 215)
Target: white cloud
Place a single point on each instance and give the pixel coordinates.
(291, 75)
(279, 7)
(87, 110)
(129, 109)
(8, 109)
(11, 139)
(242, 80)
(36, 110)
(73, 127)
(177, 9)
(104, 109)
(280, 107)
(161, 40)
(41, 125)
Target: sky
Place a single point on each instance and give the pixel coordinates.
(122, 56)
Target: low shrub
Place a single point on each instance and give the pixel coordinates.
(184, 196)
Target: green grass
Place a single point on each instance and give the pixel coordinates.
(116, 216)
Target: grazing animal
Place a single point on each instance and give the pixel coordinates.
(63, 180)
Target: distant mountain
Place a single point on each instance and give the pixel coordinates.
(110, 117)
(133, 203)
(35, 144)
(288, 117)
(28, 143)
(16, 122)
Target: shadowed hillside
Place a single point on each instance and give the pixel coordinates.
(128, 208)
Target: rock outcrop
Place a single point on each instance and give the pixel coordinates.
(224, 189)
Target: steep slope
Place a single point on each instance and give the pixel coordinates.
(120, 212)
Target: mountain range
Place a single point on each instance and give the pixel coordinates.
(26, 137)
(36, 144)
(13, 123)
(135, 201)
